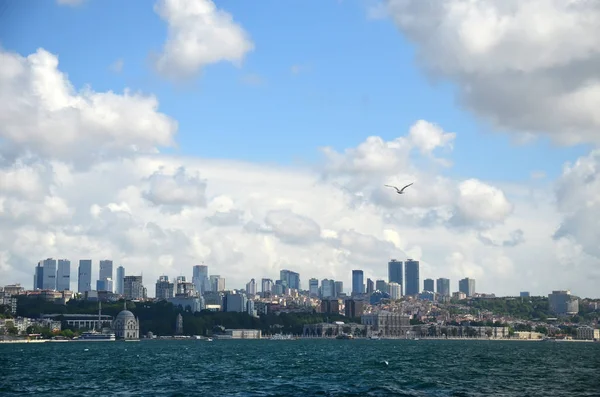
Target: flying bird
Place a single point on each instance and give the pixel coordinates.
(399, 191)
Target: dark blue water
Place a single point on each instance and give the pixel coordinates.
(301, 368)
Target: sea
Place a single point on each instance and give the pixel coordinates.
(303, 368)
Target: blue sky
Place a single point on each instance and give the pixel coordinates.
(358, 77)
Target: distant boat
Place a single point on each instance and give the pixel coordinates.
(96, 337)
(282, 337)
(374, 337)
(344, 336)
(209, 339)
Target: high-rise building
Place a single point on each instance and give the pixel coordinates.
(105, 285)
(63, 275)
(327, 289)
(200, 278)
(234, 302)
(394, 290)
(278, 288)
(381, 285)
(38, 278)
(370, 286)
(395, 272)
(524, 294)
(49, 280)
(120, 280)
(84, 276)
(217, 283)
(411, 273)
(290, 279)
(251, 287)
(467, 286)
(338, 288)
(428, 285)
(443, 287)
(358, 285)
(266, 285)
(106, 271)
(133, 288)
(563, 303)
(313, 288)
(354, 308)
(164, 288)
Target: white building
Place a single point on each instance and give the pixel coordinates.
(126, 325)
(395, 290)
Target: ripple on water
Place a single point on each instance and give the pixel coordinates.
(301, 368)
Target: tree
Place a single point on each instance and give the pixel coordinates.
(489, 333)
(12, 330)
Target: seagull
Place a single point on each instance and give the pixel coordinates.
(399, 191)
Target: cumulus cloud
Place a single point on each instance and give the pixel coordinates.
(176, 190)
(155, 213)
(199, 34)
(525, 66)
(54, 121)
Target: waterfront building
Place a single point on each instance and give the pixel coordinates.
(241, 334)
(588, 333)
(386, 324)
(126, 325)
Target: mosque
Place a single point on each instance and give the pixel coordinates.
(126, 326)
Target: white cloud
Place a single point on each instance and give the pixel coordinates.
(162, 214)
(527, 66)
(199, 34)
(54, 121)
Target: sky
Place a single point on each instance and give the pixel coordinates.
(257, 136)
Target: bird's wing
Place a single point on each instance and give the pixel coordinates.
(393, 187)
(406, 186)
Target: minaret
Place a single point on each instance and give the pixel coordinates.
(99, 315)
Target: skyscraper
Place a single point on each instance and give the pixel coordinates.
(120, 280)
(49, 279)
(84, 276)
(164, 288)
(370, 286)
(63, 275)
(411, 271)
(381, 285)
(106, 272)
(200, 278)
(395, 273)
(327, 288)
(133, 288)
(394, 291)
(339, 288)
(290, 279)
(251, 287)
(467, 285)
(313, 288)
(266, 285)
(428, 285)
(443, 286)
(38, 279)
(358, 285)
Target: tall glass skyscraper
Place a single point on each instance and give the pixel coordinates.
(84, 276)
(395, 273)
(443, 286)
(411, 270)
(120, 280)
(63, 276)
(358, 284)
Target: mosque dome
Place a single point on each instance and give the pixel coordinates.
(124, 315)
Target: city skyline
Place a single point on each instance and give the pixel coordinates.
(162, 144)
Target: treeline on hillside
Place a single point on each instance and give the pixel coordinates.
(160, 317)
(527, 308)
